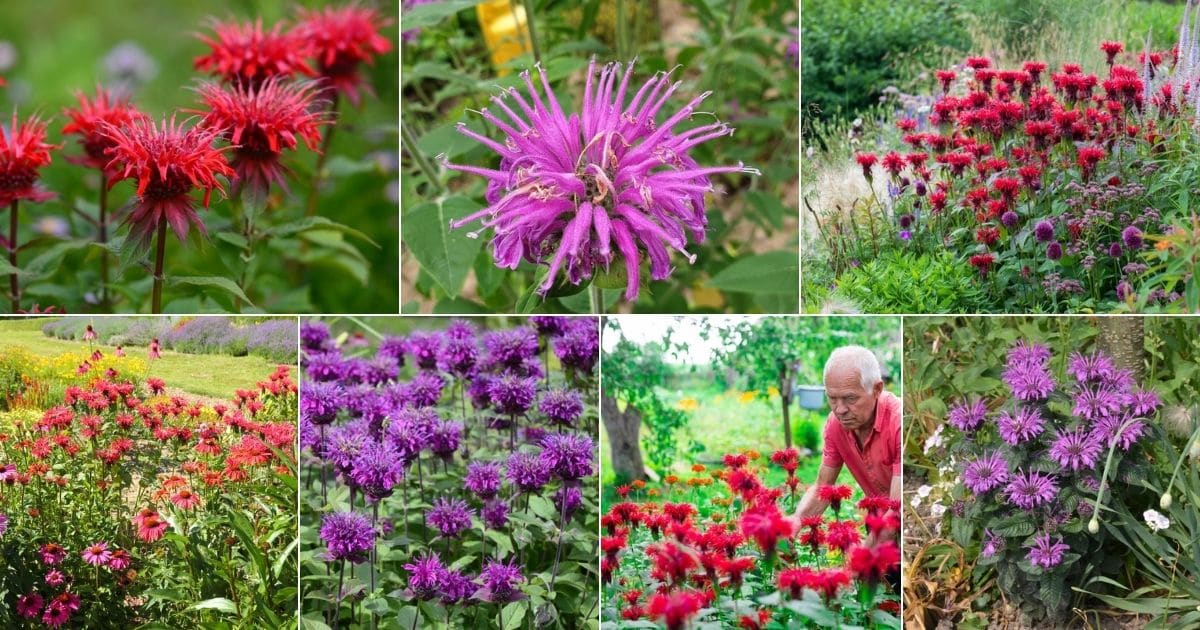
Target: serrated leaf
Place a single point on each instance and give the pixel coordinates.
(217, 282)
(513, 614)
(444, 254)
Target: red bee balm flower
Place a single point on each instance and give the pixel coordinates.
(90, 120)
(341, 38)
(766, 525)
(23, 150)
(167, 160)
(870, 564)
(245, 54)
(834, 495)
(866, 161)
(261, 122)
(675, 609)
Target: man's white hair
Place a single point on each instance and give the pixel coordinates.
(859, 358)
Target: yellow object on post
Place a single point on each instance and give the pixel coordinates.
(504, 29)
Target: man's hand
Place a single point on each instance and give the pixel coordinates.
(811, 504)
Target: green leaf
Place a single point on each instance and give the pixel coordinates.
(502, 541)
(430, 14)
(772, 272)
(513, 614)
(245, 533)
(443, 253)
(542, 507)
(216, 603)
(317, 223)
(166, 594)
(218, 282)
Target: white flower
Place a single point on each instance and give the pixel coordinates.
(924, 491)
(915, 501)
(934, 440)
(1156, 521)
(937, 510)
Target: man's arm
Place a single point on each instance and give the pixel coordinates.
(811, 504)
(895, 492)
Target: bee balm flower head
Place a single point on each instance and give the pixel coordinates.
(245, 54)
(23, 151)
(341, 38)
(89, 120)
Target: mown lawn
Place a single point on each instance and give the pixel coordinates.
(210, 375)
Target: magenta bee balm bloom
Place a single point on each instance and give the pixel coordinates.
(1046, 553)
(578, 191)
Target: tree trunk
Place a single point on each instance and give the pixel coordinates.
(623, 429)
(1123, 339)
(785, 397)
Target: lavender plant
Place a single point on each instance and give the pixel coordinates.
(1040, 463)
(449, 477)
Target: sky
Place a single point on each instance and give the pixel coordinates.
(642, 329)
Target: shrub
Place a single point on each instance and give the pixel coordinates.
(905, 282)
(274, 340)
(199, 335)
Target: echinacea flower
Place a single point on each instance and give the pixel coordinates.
(23, 152)
(97, 554)
(151, 527)
(578, 192)
(500, 582)
(54, 577)
(89, 121)
(1029, 490)
(167, 160)
(260, 123)
(450, 517)
(347, 536)
(29, 605)
(119, 561)
(56, 614)
(341, 39)
(185, 499)
(3, 523)
(1045, 552)
(245, 54)
(52, 553)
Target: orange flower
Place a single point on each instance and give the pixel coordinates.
(752, 454)
(639, 484)
(671, 480)
(697, 468)
(652, 492)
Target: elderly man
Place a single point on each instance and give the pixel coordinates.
(862, 432)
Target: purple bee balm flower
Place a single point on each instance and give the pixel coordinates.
(479, 390)
(500, 582)
(495, 514)
(568, 456)
(510, 348)
(1090, 368)
(424, 347)
(1029, 490)
(968, 416)
(456, 588)
(1020, 426)
(567, 500)
(561, 406)
(1047, 553)
(458, 356)
(1114, 430)
(344, 443)
(1120, 381)
(578, 348)
(1075, 449)
(380, 370)
(426, 576)
(1044, 231)
(533, 435)
(1132, 237)
(1029, 382)
(1025, 353)
(445, 439)
(548, 325)
(348, 536)
(320, 401)
(376, 469)
(1054, 250)
(424, 390)
(310, 438)
(526, 471)
(451, 517)
(1094, 403)
(577, 192)
(409, 432)
(992, 544)
(483, 479)
(325, 366)
(985, 473)
(512, 395)
(314, 337)
(460, 329)
(1144, 402)
(393, 348)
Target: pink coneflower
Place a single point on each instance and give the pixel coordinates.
(185, 499)
(341, 39)
(29, 605)
(150, 526)
(119, 561)
(52, 553)
(89, 334)
(97, 554)
(56, 614)
(54, 577)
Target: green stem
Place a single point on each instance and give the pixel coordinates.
(1183, 456)
(410, 143)
(533, 38)
(13, 285)
(310, 208)
(622, 32)
(104, 297)
(595, 299)
(1112, 448)
(160, 253)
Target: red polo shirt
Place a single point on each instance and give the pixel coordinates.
(873, 465)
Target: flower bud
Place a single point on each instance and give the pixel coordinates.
(1165, 501)
(1094, 525)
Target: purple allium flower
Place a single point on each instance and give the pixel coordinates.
(578, 348)
(1044, 231)
(500, 581)
(526, 471)
(451, 517)
(906, 221)
(456, 588)
(445, 439)
(1054, 250)
(1075, 449)
(569, 456)
(1046, 553)
(510, 348)
(1144, 402)
(376, 469)
(348, 536)
(1029, 382)
(905, 235)
(458, 356)
(985, 473)
(548, 325)
(424, 347)
(992, 544)
(495, 514)
(426, 576)
(425, 389)
(1132, 238)
(1010, 219)
(314, 337)
(1114, 250)
(320, 401)
(393, 348)
(483, 479)
(1090, 368)
(325, 366)
(567, 500)
(1094, 403)
(480, 392)
(1021, 426)
(512, 395)
(460, 329)
(1029, 490)
(561, 406)
(968, 416)
(1124, 290)
(572, 189)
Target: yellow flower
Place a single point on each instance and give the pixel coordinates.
(747, 397)
(688, 404)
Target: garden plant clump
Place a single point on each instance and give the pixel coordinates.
(721, 548)
(584, 182)
(274, 339)
(122, 506)
(1031, 188)
(450, 475)
(244, 157)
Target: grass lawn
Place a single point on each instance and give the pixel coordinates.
(210, 375)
